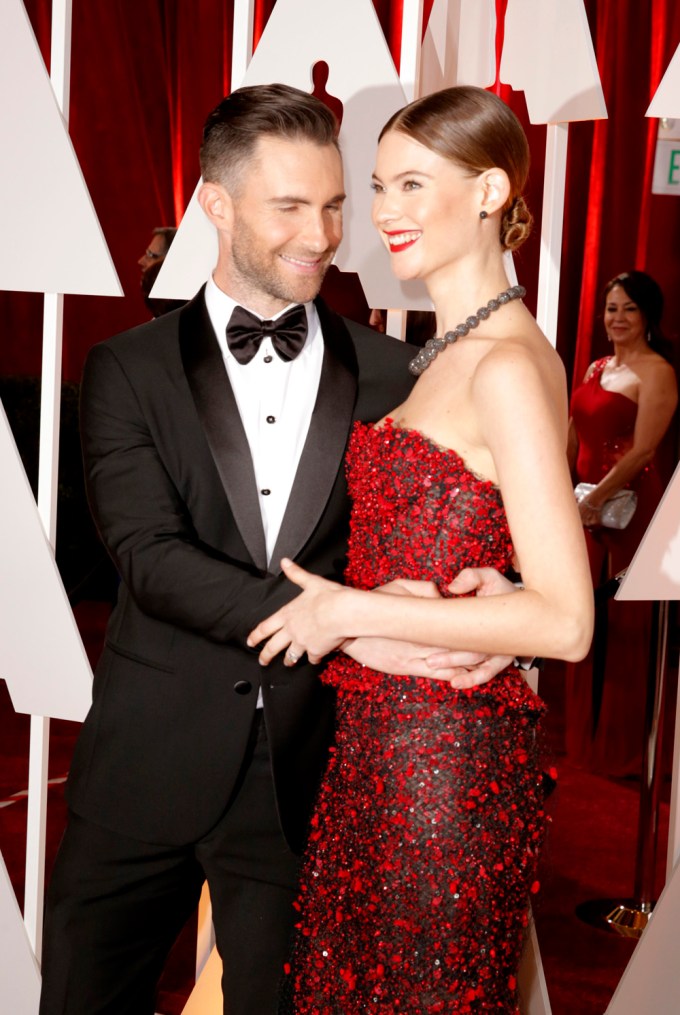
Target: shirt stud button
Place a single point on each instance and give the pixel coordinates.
(268, 359)
(271, 419)
(265, 493)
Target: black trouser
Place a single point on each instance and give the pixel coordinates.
(115, 906)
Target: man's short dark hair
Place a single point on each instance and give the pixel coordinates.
(234, 128)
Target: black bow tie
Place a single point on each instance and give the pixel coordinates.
(245, 332)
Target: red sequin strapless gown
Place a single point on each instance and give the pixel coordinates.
(424, 840)
(606, 692)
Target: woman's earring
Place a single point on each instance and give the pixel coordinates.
(483, 214)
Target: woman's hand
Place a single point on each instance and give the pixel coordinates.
(307, 624)
(471, 669)
(483, 581)
(590, 515)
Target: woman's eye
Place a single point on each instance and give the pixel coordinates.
(411, 185)
(377, 188)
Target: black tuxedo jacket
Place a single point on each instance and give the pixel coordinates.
(172, 489)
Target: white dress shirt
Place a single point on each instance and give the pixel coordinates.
(275, 399)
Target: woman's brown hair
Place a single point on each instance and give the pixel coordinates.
(477, 131)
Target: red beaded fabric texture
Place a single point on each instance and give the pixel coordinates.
(424, 840)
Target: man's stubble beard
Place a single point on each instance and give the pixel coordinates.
(258, 275)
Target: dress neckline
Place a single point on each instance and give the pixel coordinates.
(390, 425)
(608, 391)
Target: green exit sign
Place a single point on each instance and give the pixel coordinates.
(666, 178)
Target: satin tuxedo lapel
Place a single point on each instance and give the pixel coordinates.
(324, 449)
(221, 422)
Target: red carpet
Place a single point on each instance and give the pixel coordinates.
(590, 854)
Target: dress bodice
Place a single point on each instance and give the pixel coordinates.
(419, 512)
(605, 424)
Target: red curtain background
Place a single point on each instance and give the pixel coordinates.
(144, 75)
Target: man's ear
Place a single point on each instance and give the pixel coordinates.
(217, 204)
(495, 189)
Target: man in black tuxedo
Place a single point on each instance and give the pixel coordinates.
(213, 442)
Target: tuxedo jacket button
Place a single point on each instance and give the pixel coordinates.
(243, 687)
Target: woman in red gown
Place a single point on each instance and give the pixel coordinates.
(620, 415)
(422, 854)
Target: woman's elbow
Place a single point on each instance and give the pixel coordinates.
(576, 634)
(643, 457)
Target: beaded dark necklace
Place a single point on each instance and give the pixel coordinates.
(434, 346)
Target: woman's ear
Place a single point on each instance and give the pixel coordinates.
(217, 204)
(495, 190)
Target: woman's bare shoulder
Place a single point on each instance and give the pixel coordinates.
(654, 365)
(657, 377)
(522, 356)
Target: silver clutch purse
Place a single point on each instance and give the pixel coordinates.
(616, 512)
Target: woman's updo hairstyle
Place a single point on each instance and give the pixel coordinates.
(477, 131)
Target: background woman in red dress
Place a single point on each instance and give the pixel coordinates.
(620, 415)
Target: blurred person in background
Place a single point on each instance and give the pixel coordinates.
(151, 262)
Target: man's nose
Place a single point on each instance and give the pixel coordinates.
(320, 233)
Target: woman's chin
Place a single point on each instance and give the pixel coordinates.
(402, 271)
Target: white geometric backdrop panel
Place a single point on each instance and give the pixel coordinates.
(19, 974)
(548, 54)
(363, 76)
(51, 238)
(459, 47)
(41, 653)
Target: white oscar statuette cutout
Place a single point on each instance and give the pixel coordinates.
(666, 101)
(296, 38)
(51, 238)
(654, 572)
(651, 982)
(666, 105)
(548, 54)
(459, 45)
(42, 658)
(19, 974)
(412, 12)
(459, 48)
